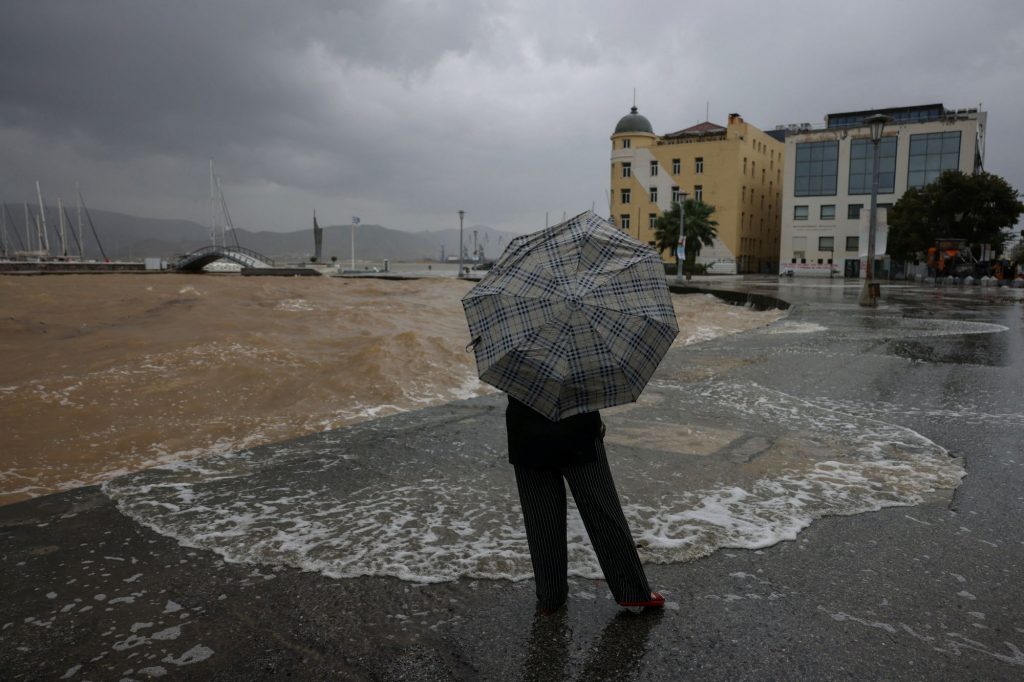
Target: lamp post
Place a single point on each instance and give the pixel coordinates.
(869, 292)
(462, 214)
(681, 245)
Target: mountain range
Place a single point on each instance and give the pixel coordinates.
(132, 237)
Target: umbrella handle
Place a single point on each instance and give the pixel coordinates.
(473, 344)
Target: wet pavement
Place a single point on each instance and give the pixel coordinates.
(929, 589)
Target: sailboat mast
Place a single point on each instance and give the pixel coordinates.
(3, 226)
(213, 206)
(44, 239)
(81, 244)
(63, 233)
(28, 232)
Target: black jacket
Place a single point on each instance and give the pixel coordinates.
(537, 442)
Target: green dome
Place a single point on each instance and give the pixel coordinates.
(634, 123)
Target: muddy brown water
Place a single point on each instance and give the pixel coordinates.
(106, 374)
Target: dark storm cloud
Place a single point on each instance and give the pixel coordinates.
(404, 111)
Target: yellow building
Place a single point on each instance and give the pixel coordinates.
(737, 169)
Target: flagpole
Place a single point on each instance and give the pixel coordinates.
(355, 221)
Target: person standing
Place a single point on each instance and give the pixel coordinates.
(547, 454)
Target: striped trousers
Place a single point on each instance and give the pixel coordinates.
(542, 496)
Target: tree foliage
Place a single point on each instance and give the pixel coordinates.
(699, 230)
(973, 207)
(1017, 252)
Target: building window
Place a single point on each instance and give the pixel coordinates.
(624, 221)
(828, 212)
(799, 212)
(825, 243)
(744, 165)
(853, 211)
(627, 169)
(677, 166)
(800, 248)
(817, 166)
(654, 194)
(625, 144)
(930, 155)
(698, 192)
(625, 196)
(861, 157)
(698, 165)
(852, 243)
(676, 197)
(654, 168)
(652, 220)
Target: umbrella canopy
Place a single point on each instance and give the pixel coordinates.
(572, 319)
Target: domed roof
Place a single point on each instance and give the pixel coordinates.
(634, 123)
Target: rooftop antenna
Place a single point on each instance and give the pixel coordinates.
(707, 110)
(634, 98)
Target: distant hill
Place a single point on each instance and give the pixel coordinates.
(127, 236)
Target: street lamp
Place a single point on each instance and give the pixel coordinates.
(870, 291)
(681, 245)
(462, 214)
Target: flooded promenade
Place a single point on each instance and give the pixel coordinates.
(832, 495)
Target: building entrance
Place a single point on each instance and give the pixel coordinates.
(852, 268)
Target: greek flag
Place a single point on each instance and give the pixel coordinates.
(355, 220)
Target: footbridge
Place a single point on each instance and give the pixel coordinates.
(200, 258)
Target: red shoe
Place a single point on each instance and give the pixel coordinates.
(655, 602)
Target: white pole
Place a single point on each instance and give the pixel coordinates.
(63, 231)
(44, 238)
(81, 244)
(355, 221)
(28, 233)
(213, 207)
(461, 215)
(3, 226)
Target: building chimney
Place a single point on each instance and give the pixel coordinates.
(735, 118)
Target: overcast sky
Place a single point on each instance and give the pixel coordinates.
(403, 112)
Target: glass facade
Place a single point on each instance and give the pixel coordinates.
(817, 166)
(861, 158)
(930, 155)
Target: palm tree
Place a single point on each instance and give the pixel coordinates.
(699, 230)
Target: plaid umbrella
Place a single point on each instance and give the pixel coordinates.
(572, 318)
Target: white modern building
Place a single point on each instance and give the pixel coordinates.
(827, 182)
